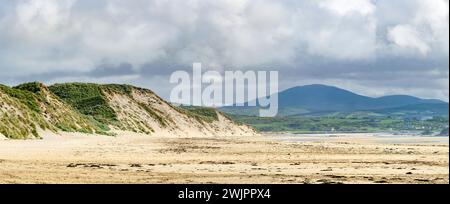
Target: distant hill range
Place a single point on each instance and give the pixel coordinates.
(27, 110)
(320, 100)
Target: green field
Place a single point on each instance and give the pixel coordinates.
(344, 124)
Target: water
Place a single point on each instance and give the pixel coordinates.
(382, 138)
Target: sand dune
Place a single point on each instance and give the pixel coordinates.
(134, 158)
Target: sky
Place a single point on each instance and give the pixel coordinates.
(371, 47)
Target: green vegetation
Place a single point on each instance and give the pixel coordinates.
(23, 124)
(344, 124)
(17, 127)
(88, 99)
(154, 115)
(84, 107)
(34, 87)
(33, 107)
(117, 88)
(25, 97)
(200, 113)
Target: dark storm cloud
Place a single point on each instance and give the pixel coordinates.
(99, 72)
(105, 70)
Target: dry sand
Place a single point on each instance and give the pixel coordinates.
(132, 158)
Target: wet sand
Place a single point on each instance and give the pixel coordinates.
(132, 158)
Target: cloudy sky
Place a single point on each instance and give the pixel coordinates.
(372, 47)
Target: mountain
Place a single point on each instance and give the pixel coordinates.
(404, 100)
(318, 99)
(29, 109)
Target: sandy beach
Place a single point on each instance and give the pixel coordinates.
(133, 158)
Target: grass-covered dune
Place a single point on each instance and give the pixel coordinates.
(28, 107)
(88, 99)
(94, 108)
(95, 100)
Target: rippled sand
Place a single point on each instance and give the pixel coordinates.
(132, 158)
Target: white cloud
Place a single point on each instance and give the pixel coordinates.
(52, 36)
(40, 19)
(219, 33)
(433, 17)
(423, 27)
(407, 37)
(348, 7)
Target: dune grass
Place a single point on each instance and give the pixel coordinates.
(201, 114)
(25, 97)
(88, 99)
(78, 107)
